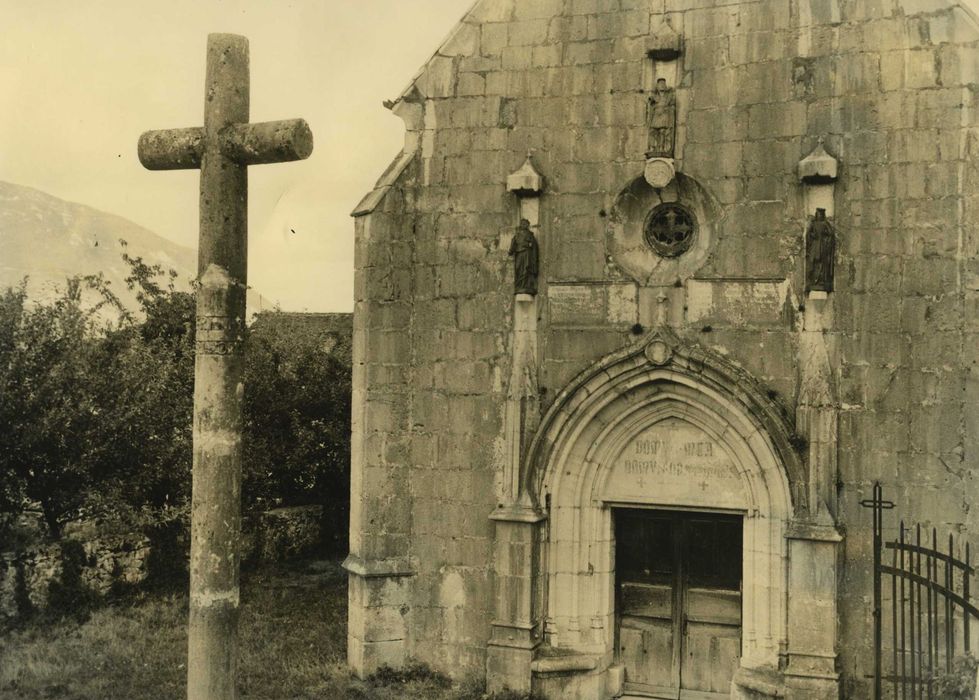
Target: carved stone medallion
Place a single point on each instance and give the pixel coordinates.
(659, 172)
(658, 353)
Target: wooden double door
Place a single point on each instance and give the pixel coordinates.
(678, 602)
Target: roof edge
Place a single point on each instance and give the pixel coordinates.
(456, 28)
(372, 199)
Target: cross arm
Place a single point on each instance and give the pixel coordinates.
(246, 144)
(267, 142)
(171, 149)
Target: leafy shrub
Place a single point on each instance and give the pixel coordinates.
(297, 421)
(50, 381)
(960, 682)
(97, 413)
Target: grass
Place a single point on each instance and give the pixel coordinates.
(292, 646)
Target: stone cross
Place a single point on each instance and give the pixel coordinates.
(222, 149)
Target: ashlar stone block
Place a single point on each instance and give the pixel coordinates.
(858, 73)
(527, 32)
(567, 28)
(493, 11)
(438, 77)
(493, 37)
(464, 41)
(755, 47)
(539, 9)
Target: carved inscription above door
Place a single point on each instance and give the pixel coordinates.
(675, 462)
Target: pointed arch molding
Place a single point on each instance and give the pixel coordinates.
(589, 424)
(696, 385)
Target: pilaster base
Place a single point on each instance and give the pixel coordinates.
(815, 687)
(508, 657)
(791, 684)
(570, 676)
(377, 613)
(757, 684)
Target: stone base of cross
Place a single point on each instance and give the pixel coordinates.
(222, 149)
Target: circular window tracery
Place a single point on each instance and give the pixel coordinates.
(670, 229)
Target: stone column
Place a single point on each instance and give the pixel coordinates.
(522, 411)
(516, 628)
(817, 411)
(814, 547)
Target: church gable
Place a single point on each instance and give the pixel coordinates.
(784, 184)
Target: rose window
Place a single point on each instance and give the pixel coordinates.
(670, 229)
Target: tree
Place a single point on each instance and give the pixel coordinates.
(297, 419)
(145, 455)
(96, 410)
(49, 385)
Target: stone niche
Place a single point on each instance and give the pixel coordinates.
(631, 220)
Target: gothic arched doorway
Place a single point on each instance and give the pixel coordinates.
(667, 439)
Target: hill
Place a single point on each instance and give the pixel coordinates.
(48, 239)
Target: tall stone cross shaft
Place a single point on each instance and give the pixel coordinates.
(223, 149)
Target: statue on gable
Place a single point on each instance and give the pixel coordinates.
(526, 259)
(820, 253)
(661, 120)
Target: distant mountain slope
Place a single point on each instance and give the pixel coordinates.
(48, 240)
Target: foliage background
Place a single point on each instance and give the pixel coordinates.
(96, 406)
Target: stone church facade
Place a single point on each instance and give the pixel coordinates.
(744, 237)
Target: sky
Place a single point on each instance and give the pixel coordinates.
(80, 81)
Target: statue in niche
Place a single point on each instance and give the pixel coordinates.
(526, 259)
(820, 253)
(661, 119)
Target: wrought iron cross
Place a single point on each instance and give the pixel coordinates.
(879, 505)
(222, 149)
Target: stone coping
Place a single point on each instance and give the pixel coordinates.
(813, 531)
(517, 514)
(551, 660)
(380, 568)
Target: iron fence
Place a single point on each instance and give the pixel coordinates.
(928, 618)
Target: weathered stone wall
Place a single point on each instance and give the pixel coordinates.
(889, 86)
(103, 563)
(381, 502)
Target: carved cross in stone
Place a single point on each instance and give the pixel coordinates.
(223, 149)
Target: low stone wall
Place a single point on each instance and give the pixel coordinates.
(97, 565)
(287, 533)
(98, 562)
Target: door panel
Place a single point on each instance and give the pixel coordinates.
(646, 651)
(646, 600)
(646, 603)
(710, 657)
(711, 605)
(678, 602)
(646, 633)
